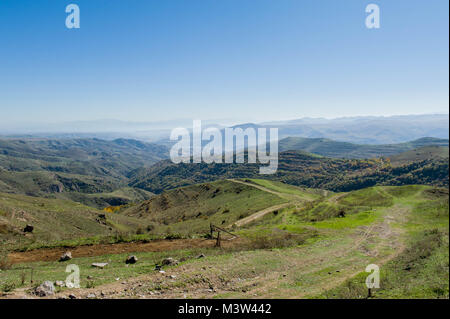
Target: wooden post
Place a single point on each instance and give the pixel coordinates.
(211, 229)
(218, 239)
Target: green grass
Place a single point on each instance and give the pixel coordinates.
(305, 193)
(54, 220)
(422, 269)
(303, 254)
(116, 267)
(371, 197)
(190, 210)
(351, 221)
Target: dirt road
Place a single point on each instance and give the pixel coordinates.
(53, 254)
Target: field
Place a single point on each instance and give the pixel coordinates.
(316, 246)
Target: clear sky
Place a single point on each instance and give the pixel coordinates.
(260, 60)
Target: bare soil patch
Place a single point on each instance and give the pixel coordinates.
(53, 254)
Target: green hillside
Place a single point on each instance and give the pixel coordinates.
(54, 220)
(90, 171)
(421, 154)
(331, 148)
(313, 248)
(303, 169)
(191, 209)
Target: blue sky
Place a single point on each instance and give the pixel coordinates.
(254, 60)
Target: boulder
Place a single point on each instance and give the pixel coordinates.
(131, 260)
(169, 262)
(66, 256)
(99, 265)
(45, 289)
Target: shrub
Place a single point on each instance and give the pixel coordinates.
(278, 239)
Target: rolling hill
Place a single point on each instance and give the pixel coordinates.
(54, 220)
(191, 209)
(302, 169)
(90, 171)
(336, 149)
(327, 241)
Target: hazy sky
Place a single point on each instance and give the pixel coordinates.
(209, 59)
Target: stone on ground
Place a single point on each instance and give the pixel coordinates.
(45, 289)
(66, 256)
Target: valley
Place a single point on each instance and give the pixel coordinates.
(308, 231)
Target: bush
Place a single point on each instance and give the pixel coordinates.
(277, 239)
(173, 236)
(4, 262)
(9, 286)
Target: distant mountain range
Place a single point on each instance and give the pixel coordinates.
(358, 130)
(364, 130)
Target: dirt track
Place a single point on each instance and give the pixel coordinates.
(53, 254)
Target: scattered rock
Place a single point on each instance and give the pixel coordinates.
(66, 256)
(169, 262)
(45, 289)
(162, 272)
(131, 260)
(90, 277)
(60, 283)
(28, 229)
(201, 256)
(99, 265)
(173, 276)
(157, 267)
(72, 296)
(91, 296)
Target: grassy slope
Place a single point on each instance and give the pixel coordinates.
(380, 223)
(302, 169)
(420, 154)
(74, 168)
(53, 220)
(421, 270)
(191, 209)
(330, 148)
